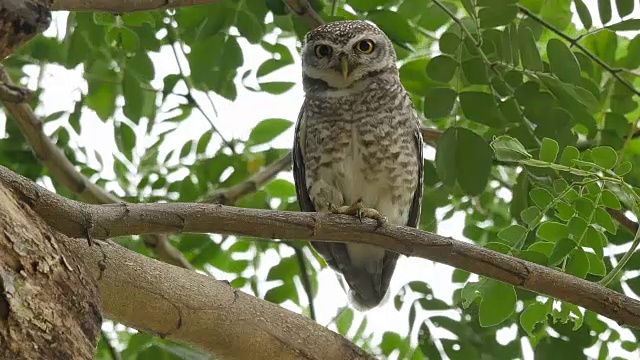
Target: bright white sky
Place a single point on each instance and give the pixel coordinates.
(236, 119)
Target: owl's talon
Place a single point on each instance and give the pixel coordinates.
(358, 210)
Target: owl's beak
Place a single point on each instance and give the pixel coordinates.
(344, 66)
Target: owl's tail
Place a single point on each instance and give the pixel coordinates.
(370, 289)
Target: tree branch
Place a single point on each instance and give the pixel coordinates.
(61, 169)
(120, 6)
(302, 9)
(574, 42)
(77, 219)
(194, 309)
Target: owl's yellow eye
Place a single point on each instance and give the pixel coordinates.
(364, 46)
(322, 51)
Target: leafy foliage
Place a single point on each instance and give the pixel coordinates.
(539, 120)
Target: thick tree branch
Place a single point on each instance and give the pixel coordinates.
(121, 6)
(62, 170)
(76, 219)
(195, 309)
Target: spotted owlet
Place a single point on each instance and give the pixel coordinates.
(357, 147)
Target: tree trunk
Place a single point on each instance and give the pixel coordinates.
(49, 308)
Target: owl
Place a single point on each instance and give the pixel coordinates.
(357, 148)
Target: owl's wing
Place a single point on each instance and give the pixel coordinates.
(416, 205)
(299, 176)
(302, 191)
(391, 258)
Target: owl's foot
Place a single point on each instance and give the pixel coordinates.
(358, 210)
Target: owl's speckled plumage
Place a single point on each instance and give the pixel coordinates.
(357, 137)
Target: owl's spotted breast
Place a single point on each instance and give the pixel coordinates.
(363, 146)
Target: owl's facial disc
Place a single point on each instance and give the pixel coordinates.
(341, 65)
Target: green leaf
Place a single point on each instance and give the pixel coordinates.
(610, 200)
(534, 313)
(449, 43)
(624, 168)
(267, 130)
(481, 107)
(344, 321)
(442, 68)
(529, 54)
(604, 156)
(604, 8)
(560, 185)
(563, 63)
(464, 156)
(103, 18)
(276, 87)
(124, 37)
(498, 303)
(561, 249)
(249, 27)
(549, 150)
(394, 25)
(421, 287)
(512, 234)
(578, 264)
(460, 276)
(282, 293)
(445, 160)
(507, 148)
(475, 71)
(569, 154)
(497, 15)
(625, 7)
(439, 102)
(433, 304)
(473, 160)
(584, 14)
(366, 5)
(603, 219)
(529, 215)
(541, 197)
(596, 265)
(552, 231)
(138, 19)
(280, 188)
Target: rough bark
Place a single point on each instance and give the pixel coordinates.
(49, 304)
(20, 21)
(209, 314)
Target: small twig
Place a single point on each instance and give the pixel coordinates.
(302, 9)
(623, 220)
(13, 94)
(574, 42)
(254, 182)
(623, 261)
(122, 6)
(175, 41)
(306, 283)
(334, 7)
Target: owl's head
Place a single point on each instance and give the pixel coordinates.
(342, 53)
